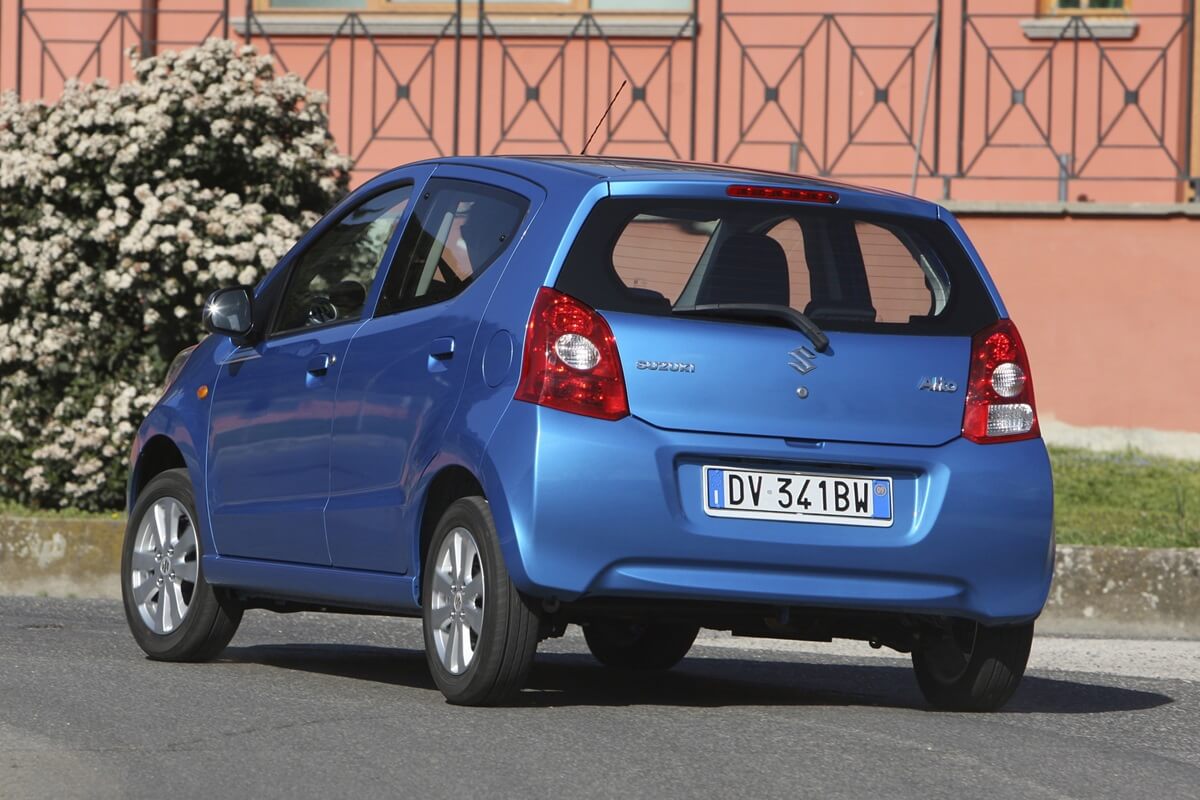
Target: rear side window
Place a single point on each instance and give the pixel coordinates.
(459, 229)
(844, 270)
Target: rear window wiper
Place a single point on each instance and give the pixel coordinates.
(753, 311)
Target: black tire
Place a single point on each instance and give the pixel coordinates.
(974, 667)
(507, 639)
(638, 646)
(211, 618)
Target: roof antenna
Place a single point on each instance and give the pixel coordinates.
(603, 117)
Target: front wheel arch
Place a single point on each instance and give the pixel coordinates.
(158, 455)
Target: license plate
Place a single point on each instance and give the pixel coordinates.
(797, 497)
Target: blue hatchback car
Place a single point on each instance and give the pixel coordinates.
(507, 395)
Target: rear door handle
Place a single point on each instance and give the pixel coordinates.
(319, 365)
(440, 351)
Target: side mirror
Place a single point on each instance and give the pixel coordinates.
(230, 312)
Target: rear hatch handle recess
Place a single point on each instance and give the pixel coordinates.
(761, 311)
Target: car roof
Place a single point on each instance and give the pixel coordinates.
(560, 171)
(615, 169)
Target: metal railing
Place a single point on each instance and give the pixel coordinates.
(1077, 106)
(951, 98)
(834, 100)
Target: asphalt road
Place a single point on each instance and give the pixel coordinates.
(338, 706)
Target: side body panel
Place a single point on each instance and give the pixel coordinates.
(272, 411)
(399, 389)
(182, 418)
(268, 475)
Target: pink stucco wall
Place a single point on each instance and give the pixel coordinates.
(1106, 304)
(828, 87)
(1108, 310)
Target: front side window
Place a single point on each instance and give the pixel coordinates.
(331, 279)
(459, 229)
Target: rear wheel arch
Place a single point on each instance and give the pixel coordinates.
(449, 484)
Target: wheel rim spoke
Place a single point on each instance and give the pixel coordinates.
(456, 558)
(144, 591)
(174, 515)
(465, 648)
(143, 562)
(178, 607)
(163, 617)
(441, 584)
(455, 654)
(439, 617)
(186, 570)
(160, 524)
(473, 590)
(186, 544)
(474, 618)
(467, 562)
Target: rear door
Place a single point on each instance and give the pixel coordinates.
(896, 296)
(405, 368)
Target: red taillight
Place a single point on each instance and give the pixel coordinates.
(1000, 405)
(782, 193)
(571, 361)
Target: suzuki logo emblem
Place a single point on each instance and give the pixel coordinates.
(802, 360)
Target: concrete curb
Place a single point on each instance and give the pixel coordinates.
(60, 557)
(1098, 591)
(1125, 591)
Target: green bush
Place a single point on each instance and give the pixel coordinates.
(120, 209)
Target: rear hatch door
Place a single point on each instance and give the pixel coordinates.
(896, 295)
(761, 380)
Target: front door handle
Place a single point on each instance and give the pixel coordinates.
(319, 365)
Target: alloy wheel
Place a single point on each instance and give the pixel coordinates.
(457, 601)
(165, 566)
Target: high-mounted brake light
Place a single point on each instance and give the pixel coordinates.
(571, 361)
(1000, 406)
(782, 193)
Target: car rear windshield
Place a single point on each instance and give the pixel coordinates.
(844, 270)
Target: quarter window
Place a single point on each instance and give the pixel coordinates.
(459, 229)
(331, 279)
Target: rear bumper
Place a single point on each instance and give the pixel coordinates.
(588, 508)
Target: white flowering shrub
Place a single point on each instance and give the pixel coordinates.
(120, 209)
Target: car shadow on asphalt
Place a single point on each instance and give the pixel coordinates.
(568, 679)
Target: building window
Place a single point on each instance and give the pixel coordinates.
(1088, 7)
(414, 5)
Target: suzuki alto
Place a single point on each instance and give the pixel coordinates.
(509, 395)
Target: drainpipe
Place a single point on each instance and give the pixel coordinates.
(149, 37)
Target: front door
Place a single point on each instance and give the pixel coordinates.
(405, 368)
(272, 403)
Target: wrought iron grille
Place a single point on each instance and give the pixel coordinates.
(847, 92)
(954, 99)
(1077, 105)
